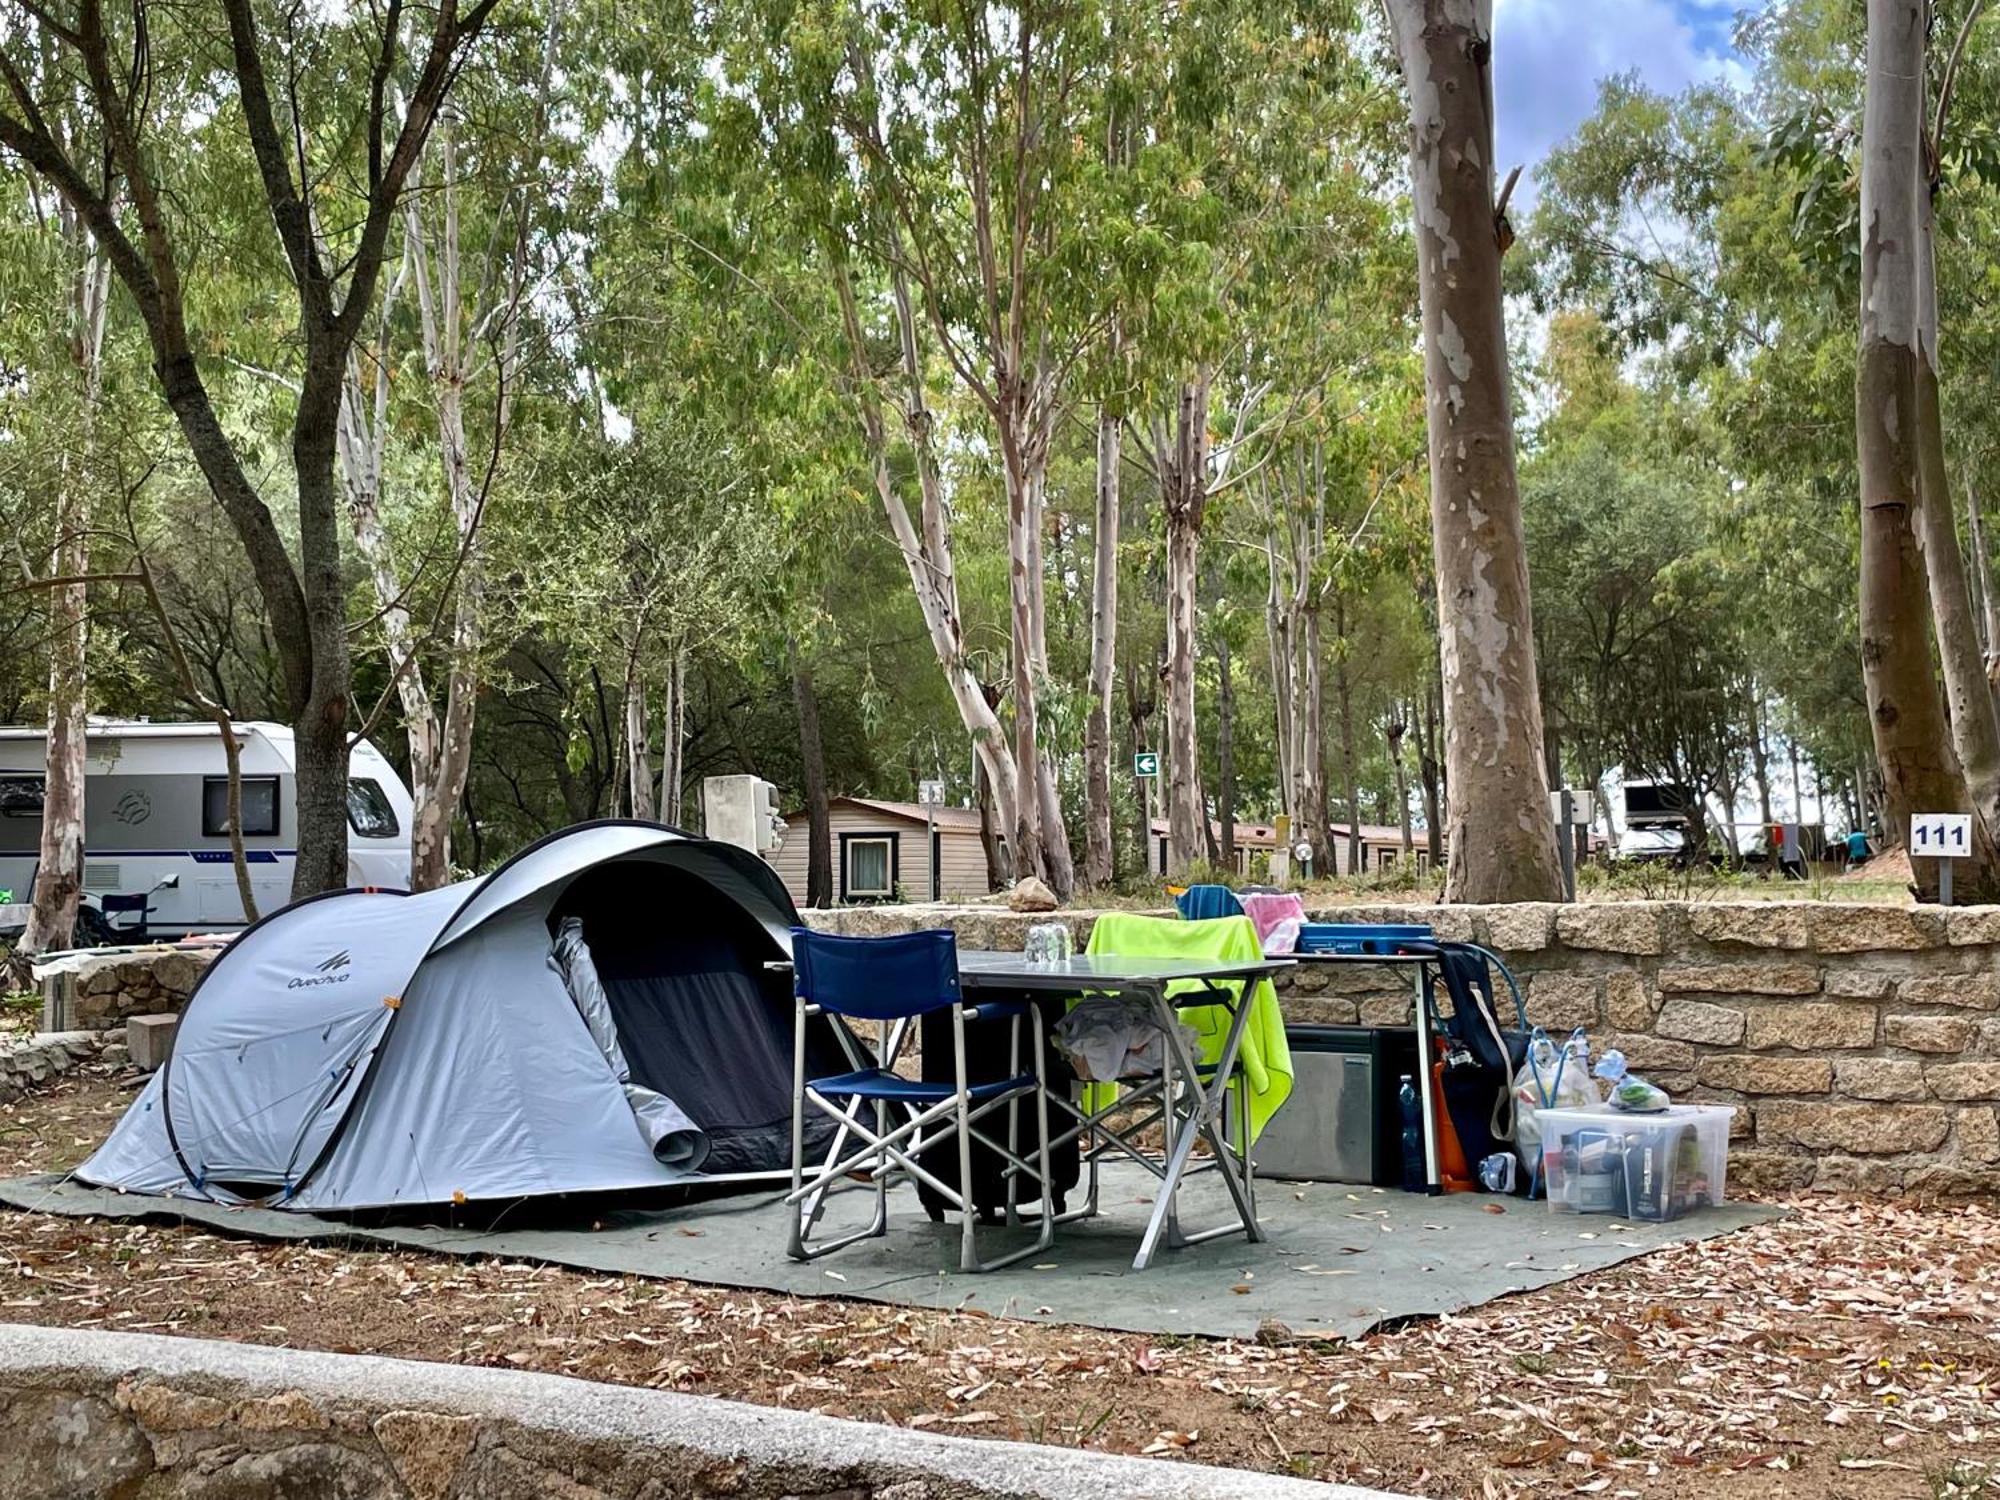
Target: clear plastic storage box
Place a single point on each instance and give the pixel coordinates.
(1640, 1167)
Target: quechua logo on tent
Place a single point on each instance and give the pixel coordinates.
(330, 970)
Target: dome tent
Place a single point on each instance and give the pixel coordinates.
(367, 1049)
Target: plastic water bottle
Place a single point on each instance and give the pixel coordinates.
(1413, 1136)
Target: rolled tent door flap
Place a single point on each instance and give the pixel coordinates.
(669, 1134)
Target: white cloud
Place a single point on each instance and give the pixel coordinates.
(1549, 55)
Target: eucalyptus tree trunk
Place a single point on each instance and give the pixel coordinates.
(1099, 857)
(1184, 498)
(1502, 842)
(1982, 572)
(1343, 695)
(1140, 704)
(1225, 752)
(673, 737)
(59, 864)
(1397, 733)
(927, 547)
(1920, 772)
(1311, 768)
(812, 772)
(1430, 774)
(1970, 709)
(638, 760)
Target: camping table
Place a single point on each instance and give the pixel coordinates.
(1416, 963)
(1146, 980)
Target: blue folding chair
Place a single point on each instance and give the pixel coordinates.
(892, 981)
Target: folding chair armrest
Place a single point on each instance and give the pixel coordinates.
(991, 1010)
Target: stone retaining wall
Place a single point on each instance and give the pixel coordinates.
(140, 1416)
(32, 1060)
(1860, 1044)
(105, 992)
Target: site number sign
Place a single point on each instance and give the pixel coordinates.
(1146, 763)
(1941, 835)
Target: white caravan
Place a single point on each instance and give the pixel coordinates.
(156, 806)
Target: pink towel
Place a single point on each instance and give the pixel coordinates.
(1277, 918)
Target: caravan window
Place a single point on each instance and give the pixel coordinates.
(260, 807)
(20, 796)
(368, 811)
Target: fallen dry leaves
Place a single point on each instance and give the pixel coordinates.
(1852, 1349)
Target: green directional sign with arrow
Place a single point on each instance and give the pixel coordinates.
(1146, 763)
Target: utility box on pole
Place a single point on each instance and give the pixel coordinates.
(742, 810)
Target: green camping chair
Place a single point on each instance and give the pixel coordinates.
(1112, 1118)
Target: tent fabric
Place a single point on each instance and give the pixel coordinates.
(672, 1136)
(367, 1050)
(1265, 1055)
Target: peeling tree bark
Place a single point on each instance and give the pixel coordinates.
(1099, 854)
(812, 772)
(927, 553)
(1920, 772)
(1502, 843)
(59, 863)
(1184, 498)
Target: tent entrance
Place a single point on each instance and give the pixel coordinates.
(699, 1019)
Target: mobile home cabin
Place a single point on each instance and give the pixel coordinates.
(156, 811)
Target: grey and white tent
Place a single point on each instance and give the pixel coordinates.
(595, 1015)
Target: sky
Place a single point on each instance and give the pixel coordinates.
(1548, 56)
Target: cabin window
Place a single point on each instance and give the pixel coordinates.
(20, 796)
(368, 811)
(260, 807)
(868, 867)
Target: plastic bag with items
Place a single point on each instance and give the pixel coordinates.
(1627, 1090)
(1550, 1077)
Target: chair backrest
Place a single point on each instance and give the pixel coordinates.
(875, 978)
(1201, 903)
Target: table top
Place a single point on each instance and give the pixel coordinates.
(1013, 971)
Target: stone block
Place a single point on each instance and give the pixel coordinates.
(1651, 1054)
(1748, 1073)
(1965, 1080)
(1522, 927)
(1810, 1027)
(1964, 991)
(426, 1448)
(1615, 927)
(288, 1411)
(1855, 984)
(1848, 1174)
(1771, 1171)
(1929, 1033)
(160, 1408)
(1967, 925)
(1698, 1021)
(1880, 1078)
(1840, 927)
(1561, 1002)
(1947, 1180)
(1740, 979)
(1863, 1129)
(1979, 1134)
(150, 1040)
(1384, 1011)
(1315, 1011)
(1306, 979)
(1753, 924)
(1629, 1003)
(1452, 924)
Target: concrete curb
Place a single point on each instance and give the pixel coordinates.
(770, 1451)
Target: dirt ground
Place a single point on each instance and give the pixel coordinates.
(1852, 1349)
